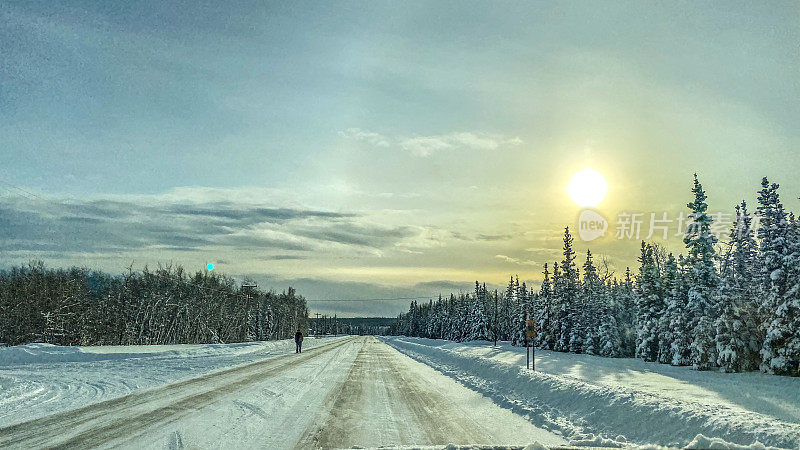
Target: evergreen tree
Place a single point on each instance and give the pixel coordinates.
(625, 300)
(593, 296)
(559, 315)
(737, 327)
(520, 307)
(478, 325)
(703, 280)
(679, 317)
(569, 292)
(609, 339)
(666, 332)
(780, 257)
(650, 305)
(545, 337)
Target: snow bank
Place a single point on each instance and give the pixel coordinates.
(596, 414)
(41, 379)
(702, 442)
(48, 353)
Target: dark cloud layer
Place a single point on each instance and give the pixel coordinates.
(113, 225)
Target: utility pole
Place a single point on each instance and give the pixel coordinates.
(247, 288)
(495, 318)
(316, 326)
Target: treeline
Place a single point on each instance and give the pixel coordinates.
(362, 326)
(733, 306)
(166, 306)
(365, 326)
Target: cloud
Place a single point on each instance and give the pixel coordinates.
(167, 223)
(516, 260)
(369, 137)
(494, 237)
(424, 146)
(481, 237)
(281, 257)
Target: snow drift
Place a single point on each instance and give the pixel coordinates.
(611, 414)
(40, 379)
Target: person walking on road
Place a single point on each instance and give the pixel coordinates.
(298, 339)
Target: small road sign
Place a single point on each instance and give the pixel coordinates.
(530, 328)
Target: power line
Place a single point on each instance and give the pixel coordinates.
(366, 299)
(21, 192)
(5, 177)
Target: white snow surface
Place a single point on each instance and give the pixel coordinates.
(41, 379)
(355, 392)
(614, 402)
(589, 401)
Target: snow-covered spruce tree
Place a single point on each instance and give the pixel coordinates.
(625, 298)
(737, 326)
(449, 316)
(679, 317)
(520, 313)
(434, 321)
(779, 257)
(462, 318)
(729, 326)
(544, 338)
(609, 341)
(477, 322)
(480, 295)
(666, 334)
(593, 290)
(772, 230)
(569, 292)
(559, 315)
(784, 331)
(427, 319)
(650, 305)
(505, 312)
(444, 318)
(493, 308)
(704, 280)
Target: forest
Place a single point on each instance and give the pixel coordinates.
(732, 306)
(166, 306)
(361, 326)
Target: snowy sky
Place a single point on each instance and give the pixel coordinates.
(378, 149)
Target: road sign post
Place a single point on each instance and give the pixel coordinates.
(530, 335)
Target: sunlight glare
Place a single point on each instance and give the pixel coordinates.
(587, 187)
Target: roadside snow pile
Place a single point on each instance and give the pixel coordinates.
(699, 442)
(590, 409)
(702, 442)
(41, 379)
(48, 353)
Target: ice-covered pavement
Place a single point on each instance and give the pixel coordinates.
(346, 392)
(603, 401)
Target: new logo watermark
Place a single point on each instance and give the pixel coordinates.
(591, 225)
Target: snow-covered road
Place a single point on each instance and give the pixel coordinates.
(346, 392)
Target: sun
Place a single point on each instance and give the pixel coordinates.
(587, 187)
